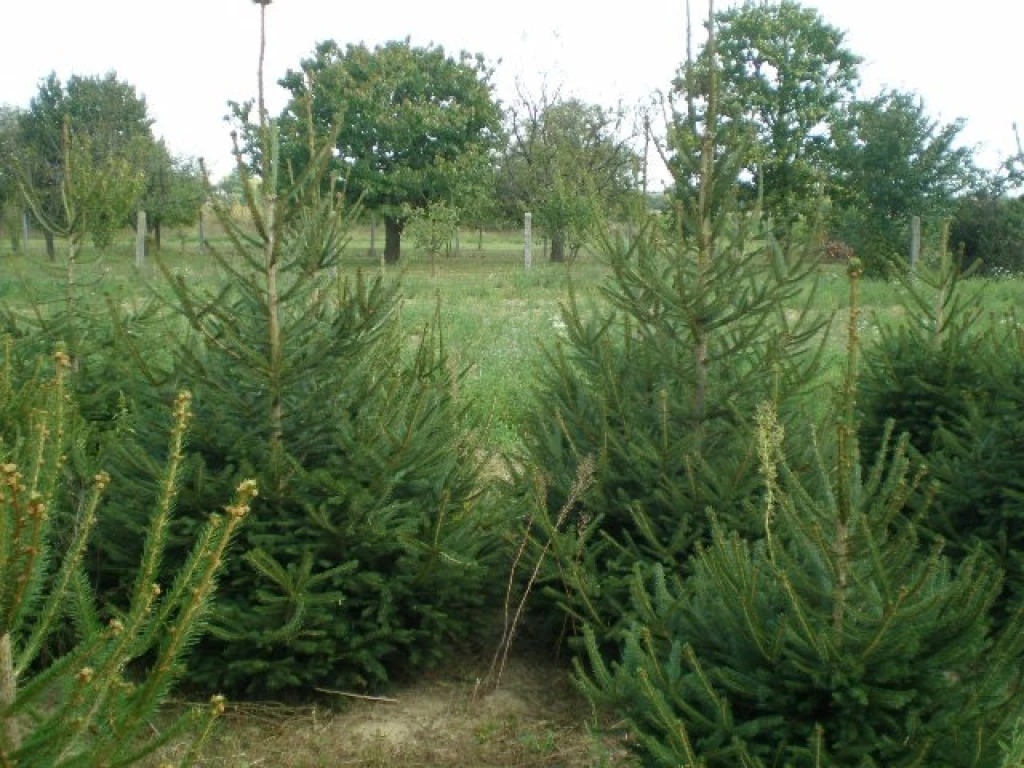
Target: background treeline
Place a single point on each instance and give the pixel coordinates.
(420, 135)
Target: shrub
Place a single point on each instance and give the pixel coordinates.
(989, 231)
(706, 316)
(657, 392)
(947, 373)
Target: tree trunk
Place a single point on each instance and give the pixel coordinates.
(558, 245)
(156, 235)
(51, 252)
(202, 232)
(392, 240)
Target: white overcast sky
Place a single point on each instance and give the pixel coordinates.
(188, 57)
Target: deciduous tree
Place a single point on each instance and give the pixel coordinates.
(785, 75)
(568, 164)
(10, 209)
(411, 125)
(895, 162)
(110, 131)
(174, 192)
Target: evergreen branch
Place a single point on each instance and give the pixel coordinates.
(145, 584)
(142, 361)
(809, 635)
(196, 604)
(69, 571)
(675, 728)
(27, 548)
(263, 231)
(40, 685)
(184, 584)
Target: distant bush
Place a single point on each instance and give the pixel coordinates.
(989, 230)
(880, 244)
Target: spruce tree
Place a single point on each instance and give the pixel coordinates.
(938, 357)
(978, 465)
(948, 373)
(841, 638)
(80, 707)
(705, 315)
(367, 556)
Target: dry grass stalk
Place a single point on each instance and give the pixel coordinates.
(584, 479)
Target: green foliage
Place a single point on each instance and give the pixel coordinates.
(96, 194)
(368, 552)
(432, 229)
(79, 707)
(10, 224)
(703, 321)
(926, 369)
(978, 468)
(101, 127)
(948, 374)
(567, 165)
(839, 639)
(895, 162)
(658, 392)
(411, 125)
(70, 312)
(10, 214)
(174, 193)
(989, 230)
(370, 559)
(1014, 748)
(784, 76)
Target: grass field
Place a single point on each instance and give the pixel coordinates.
(494, 313)
(496, 316)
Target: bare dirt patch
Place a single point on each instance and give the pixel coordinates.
(534, 718)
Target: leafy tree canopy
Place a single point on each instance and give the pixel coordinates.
(108, 109)
(895, 162)
(10, 212)
(174, 192)
(102, 126)
(568, 164)
(8, 130)
(411, 125)
(784, 75)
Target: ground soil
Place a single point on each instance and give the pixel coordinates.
(534, 717)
